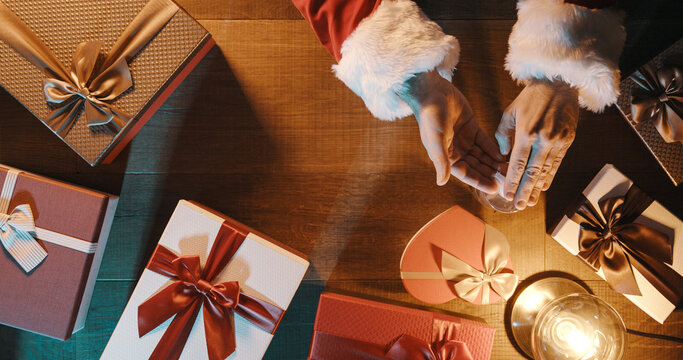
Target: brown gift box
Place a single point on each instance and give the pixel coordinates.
(156, 69)
(53, 299)
(668, 155)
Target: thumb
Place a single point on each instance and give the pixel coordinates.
(442, 169)
(505, 131)
(433, 143)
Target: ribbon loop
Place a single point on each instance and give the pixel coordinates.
(193, 288)
(87, 86)
(405, 347)
(18, 237)
(614, 244)
(659, 98)
(78, 93)
(470, 282)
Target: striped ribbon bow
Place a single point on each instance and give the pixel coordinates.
(18, 237)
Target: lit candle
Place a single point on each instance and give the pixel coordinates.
(573, 337)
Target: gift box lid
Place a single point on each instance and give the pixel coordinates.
(611, 183)
(380, 323)
(53, 298)
(264, 269)
(669, 155)
(155, 70)
(458, 233)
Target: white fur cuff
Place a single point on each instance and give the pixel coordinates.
(394, 43)
(553, 40)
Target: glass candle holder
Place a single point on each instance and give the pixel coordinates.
(578, 327)
(495, 201)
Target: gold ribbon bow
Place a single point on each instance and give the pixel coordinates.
(78, 92)
(659, 98)
(469, 282)
(87, 86)
(17, 235)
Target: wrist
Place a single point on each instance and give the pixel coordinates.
(556, 86)
(420, 90)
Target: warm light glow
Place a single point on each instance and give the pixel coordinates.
(570, 335)
(578, 341)
(534, 300)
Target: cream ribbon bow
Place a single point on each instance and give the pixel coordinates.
(17, 234)
(470, 281)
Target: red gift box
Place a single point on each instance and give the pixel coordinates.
(345, 324)
(71, 226)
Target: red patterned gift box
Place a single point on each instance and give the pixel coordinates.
(351, 328)
(53, 237)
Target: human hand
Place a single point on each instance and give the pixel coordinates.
(543, 120)
(450, 132)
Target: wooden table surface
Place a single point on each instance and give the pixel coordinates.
(264, 132)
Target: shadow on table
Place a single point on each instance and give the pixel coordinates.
(218, 144)
(295, 332)
(651, 26)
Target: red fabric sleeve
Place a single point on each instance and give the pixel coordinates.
(592, 4)
(334, 20)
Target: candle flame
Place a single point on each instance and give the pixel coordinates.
(578, 341)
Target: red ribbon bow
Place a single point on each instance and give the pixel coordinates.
(409, 347)
(405, 347)
(193, 288)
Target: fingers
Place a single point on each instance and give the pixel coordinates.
(434, 142)
(545, 172)
(518, 163)
(487, 146)
(467, 173)
(505, 131)
(471, 140)
(532, 173)
(555, 165)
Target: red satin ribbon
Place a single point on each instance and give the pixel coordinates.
(194, 287)
(611, 241)
(406, 347)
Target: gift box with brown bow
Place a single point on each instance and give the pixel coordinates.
(53, 237)
(94, 72)
(213, 289)
(651, 99)
(351, 328)
(630, 240)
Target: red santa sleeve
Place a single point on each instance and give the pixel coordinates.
(379, 44)
(577, 41)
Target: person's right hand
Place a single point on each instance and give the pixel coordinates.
(543, 120)
(450, 132)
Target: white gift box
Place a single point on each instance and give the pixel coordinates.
(263, 269)
(611, 183)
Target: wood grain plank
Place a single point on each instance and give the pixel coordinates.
(339, 219)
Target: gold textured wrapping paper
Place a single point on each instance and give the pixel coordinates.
(668, 154)
(62, 25)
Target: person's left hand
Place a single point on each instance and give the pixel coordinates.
(543, 120)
